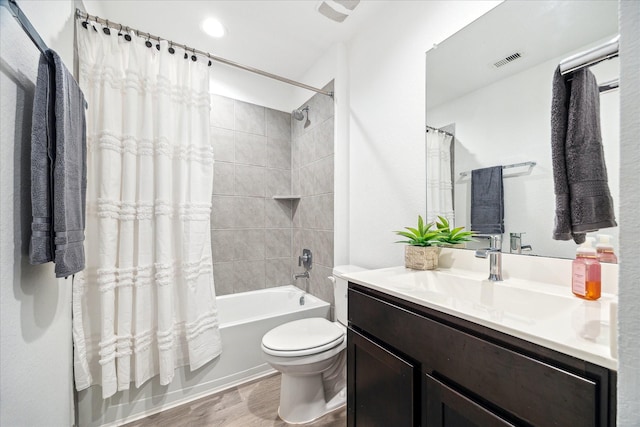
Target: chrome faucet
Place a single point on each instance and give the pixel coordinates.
(304, 275)
(516, 243)
(494, 251)
(306, 260)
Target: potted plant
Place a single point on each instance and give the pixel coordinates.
(455, 238)
(422, 250)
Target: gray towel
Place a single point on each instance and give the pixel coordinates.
(42, 155)
(583, 200)
(487, 201)
(58, 203)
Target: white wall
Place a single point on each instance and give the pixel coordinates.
(249, 87)
(629, 285)
(35, 326)
(387, 109)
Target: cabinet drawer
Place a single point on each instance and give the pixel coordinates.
(519, 386)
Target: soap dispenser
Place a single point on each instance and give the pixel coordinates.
(585, 269)
(604, 248)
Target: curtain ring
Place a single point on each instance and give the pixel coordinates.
(85, 23)
(194, 58)
(171, 49)
(127, 36)
(148, 43)
(106, 29)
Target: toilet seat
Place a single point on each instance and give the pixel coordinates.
(302, 337)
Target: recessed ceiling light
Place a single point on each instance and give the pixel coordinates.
(213, 27)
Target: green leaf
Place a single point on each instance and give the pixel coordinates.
(455, 231)
(415, 232)
(443, 222)
(407, 235)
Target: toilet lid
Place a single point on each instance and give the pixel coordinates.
(305, 334)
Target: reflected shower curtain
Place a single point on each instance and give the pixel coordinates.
(145, 303)
(439, 189)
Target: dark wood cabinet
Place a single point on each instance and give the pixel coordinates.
(409, 365)
(383, 385)
(447, 407)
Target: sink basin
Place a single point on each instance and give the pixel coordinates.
(543, 313)
(495, 300)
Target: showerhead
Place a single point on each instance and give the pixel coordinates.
(299, 115)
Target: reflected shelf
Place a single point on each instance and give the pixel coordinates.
(287, 197)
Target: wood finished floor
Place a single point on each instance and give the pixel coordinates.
(249, 405)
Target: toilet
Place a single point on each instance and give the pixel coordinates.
(310, 354)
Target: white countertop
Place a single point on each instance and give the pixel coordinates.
(543, 313)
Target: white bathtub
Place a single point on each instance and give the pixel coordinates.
(244, 319)
(248, 307)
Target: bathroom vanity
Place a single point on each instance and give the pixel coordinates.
(425, 350)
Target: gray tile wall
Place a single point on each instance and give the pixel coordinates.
(259, 153)
(312, 177)
(251, 234)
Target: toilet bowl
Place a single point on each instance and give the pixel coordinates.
(310, 354)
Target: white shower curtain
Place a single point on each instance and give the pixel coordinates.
(145, 303)
(439, 189)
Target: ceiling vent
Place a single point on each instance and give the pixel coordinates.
(337, 10)
(508, 59)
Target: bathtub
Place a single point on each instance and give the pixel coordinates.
(244, 319)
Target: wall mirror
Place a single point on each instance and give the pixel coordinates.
(489, 85)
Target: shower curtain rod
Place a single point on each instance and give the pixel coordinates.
(105, 22)
(26, 25)
(439, 130)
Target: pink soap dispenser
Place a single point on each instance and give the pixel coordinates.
(585, 269)
(604, 248)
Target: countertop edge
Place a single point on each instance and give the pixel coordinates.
(595, 358)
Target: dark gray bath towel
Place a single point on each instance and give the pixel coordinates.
(487, 201)
(42, 153)
(583, 200)
(58, 203)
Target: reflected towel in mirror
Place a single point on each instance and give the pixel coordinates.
(583, 200)
(487, 201)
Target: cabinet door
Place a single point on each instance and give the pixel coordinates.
(446, 407)
(380, 386)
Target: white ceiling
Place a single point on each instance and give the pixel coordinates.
(283, 37)
(539, 30)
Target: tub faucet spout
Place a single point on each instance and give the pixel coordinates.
(301, 275)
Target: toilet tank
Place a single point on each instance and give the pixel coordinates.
(340, 290)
